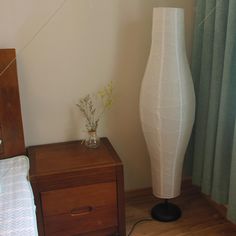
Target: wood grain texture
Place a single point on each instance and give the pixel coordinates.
(63, 157)
(11, 128)
(78, 191)
(66, 224)
(88, 197)
(1, 142)
(108, 232)
(199, 217)
(121, 200)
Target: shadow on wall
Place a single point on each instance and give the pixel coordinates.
(123, 121)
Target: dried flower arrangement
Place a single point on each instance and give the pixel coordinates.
(94, 106)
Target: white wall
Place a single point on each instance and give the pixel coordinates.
(86, 44)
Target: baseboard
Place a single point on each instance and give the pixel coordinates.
(186, 183)
(131, 194)
(186, 187)
(222, 209)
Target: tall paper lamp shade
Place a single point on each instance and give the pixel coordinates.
(167, 102)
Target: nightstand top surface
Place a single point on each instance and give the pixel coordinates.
(70, 156)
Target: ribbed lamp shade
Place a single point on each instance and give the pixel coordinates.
(167, 102)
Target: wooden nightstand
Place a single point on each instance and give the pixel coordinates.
(78, 191)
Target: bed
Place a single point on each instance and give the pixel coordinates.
(17, 209)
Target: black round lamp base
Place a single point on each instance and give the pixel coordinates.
(166, 212)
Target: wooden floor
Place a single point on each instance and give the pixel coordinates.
(199, 217)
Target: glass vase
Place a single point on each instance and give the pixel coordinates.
(92, 140)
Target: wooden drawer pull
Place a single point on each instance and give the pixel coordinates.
(81, 211)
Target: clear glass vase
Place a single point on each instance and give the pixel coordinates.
(92, 140)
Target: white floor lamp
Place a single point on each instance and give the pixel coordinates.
(167, 108)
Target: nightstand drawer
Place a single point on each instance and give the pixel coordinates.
(74, 211)
(80, 200)
(78, 191)
(68, 225)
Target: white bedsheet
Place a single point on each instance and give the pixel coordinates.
(17, 209)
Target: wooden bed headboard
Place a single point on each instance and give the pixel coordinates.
(11, 128)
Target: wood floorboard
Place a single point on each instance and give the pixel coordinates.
(199, 217)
